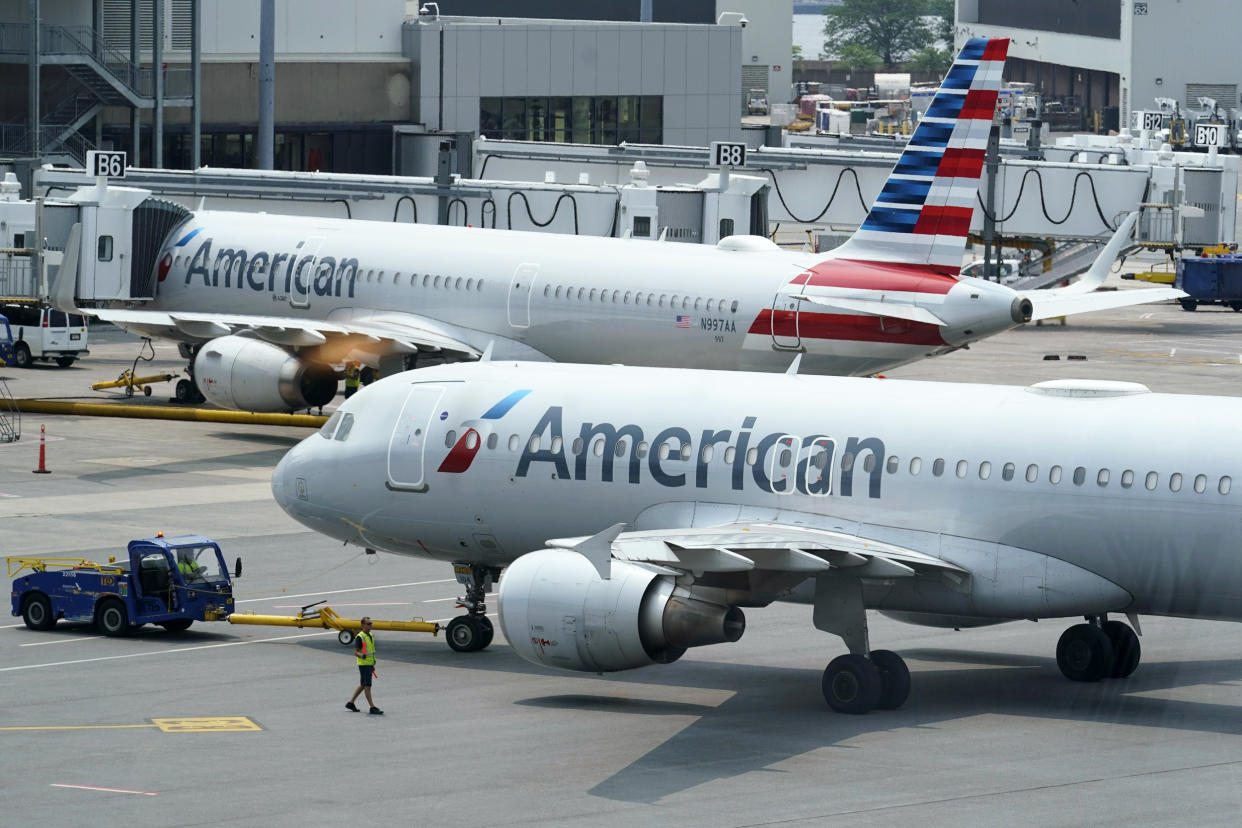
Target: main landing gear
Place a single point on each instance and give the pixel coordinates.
(472, 631)
(864, 679)
(187, 389)
(1098, 649)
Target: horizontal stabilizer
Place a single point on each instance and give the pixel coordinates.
(898, 310)
(1046, 307)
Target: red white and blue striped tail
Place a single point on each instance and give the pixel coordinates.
(922, 215)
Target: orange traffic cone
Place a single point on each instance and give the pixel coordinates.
(43, 469)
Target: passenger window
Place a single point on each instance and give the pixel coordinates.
(1152, 481)
(710, 305)
(961, 468)
(105, 249)
(698, 302)
(576, 447)
(450, 438)
(752, 456)
(1175, 482)
(1127, 479)
(1007, 472)
(597, 448)
(664, 451)
(1032, 473)
(325, 431)
(707, 453)
(729, 454)
(492, 440)
(938, 467)
(869, 463)
(619, 451)
(591, 297)
(733, 307)
(985, 470)
(478, 285)
(891, 464)
(533, 445)
(916, 466)
(581, 293)
(342, 431)
(1224, 485)
(1080, 474)
(847, 461)
(457, 284)
(1054, 475)
(436, 283)
(1101, 479)
(641, 450)
(627, 297)
(686, 450)
(472, 439)
(1200, 483)
(547, 291)
(514, 442)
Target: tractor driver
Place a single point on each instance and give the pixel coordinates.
(191, 569)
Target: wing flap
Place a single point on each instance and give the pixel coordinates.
(872, 307)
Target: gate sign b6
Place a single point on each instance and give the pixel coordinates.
(1211, 135)
(728, 154)
(106, 164)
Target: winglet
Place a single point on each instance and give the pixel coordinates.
(598, 549)
(792, 370)
(64, 288)
(1098, 272)
(486, 356)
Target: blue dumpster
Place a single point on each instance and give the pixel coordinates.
(1210, 280)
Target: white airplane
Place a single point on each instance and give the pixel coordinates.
(265, 305)
(675, 498)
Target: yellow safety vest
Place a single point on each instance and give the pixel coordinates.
(187, 568)
(368, 650)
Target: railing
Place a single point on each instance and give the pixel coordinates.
(15, 139)
(17, 277)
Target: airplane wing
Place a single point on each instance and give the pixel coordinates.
(746, 547)
(1082, 296)
(408, 333)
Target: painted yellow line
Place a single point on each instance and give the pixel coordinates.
(211, 724)
(164, 652)
(78, 727)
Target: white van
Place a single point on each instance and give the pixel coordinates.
(1009, 270)
(40, 332)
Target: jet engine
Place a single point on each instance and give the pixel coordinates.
(248, 374)
(557, 611)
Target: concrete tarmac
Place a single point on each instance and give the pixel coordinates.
(228, 725)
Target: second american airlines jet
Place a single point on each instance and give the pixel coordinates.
(632, 513)
(266, 304)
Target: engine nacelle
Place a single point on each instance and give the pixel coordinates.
(252, 375)
(557, 611)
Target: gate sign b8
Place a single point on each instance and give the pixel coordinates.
(1211, 135)
(728, 154)
(105, 164)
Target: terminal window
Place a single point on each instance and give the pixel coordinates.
(601, 119)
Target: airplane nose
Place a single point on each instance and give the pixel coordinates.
(282, 479)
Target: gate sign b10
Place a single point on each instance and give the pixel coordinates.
(106, 164)
(1211, 135)
(728, 154)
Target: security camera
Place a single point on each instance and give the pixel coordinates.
(743, 22)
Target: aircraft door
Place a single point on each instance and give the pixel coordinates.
(520, 290)
(302, 277)
(407, 446)
(785, 313)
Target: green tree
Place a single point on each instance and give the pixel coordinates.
(942, 27)
(797, 52)
(930, 60)
(858, 58)
(891, 29)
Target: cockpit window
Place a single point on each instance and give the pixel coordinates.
(342, 431)
(325, 431)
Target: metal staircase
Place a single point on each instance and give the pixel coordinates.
(98, 75)
(10, 415)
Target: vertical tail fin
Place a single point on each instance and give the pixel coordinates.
(922, 215)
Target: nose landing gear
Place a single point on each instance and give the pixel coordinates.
(473, 631)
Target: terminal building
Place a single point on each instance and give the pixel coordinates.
(1101, 60)
(355, 83)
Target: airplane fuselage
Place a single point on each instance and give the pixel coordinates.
(483, 463)
(573, 298)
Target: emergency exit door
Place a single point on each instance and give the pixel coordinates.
(407, 448)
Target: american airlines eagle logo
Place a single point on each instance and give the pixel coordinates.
(463, 452)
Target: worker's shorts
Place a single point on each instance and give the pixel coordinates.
(364, 674)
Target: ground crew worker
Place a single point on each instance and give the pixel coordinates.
(364, 651)
(190, 569)
(353, 377)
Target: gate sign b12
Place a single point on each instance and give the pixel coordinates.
(110, 164)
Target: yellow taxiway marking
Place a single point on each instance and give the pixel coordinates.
(200, 724)
(211, 724)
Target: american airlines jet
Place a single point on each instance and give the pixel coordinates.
(635, 512)
(266, 305)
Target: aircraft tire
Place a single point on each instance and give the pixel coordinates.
(1084, 653)
(464, 634)
(112, 618)
(486, 632)
(184, 391)
(1126, 649)
(851, 684)
(894, 679)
